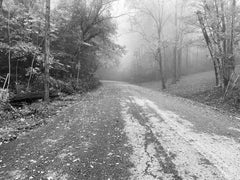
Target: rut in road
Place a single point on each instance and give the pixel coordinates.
(165, 146)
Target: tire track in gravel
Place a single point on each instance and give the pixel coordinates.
(148, 156)
(140, 157)
(193, 155)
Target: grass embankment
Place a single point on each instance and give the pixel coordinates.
(201, 88)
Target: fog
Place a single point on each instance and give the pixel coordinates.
(137, 31)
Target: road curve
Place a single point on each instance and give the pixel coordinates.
(122, 131)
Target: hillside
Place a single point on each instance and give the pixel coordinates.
(201, 88)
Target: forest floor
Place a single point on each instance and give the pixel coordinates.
(201, 88)
(28, 117)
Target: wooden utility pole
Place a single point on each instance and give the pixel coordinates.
(47, 52)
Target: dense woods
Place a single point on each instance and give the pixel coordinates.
(57, 48)
(46, 48)
(62, 47)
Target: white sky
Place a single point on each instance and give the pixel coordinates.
(125, 37)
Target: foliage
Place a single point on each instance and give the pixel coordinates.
(81, 40)
(217, 20)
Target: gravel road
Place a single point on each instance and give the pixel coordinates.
(122, 131)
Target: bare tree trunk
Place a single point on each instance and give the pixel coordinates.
(223, 28)
(225, 49)
(9, 51)
(233, 26)
(160, 61)
(47, 52)
(78, 72)
(165, 64)
(216, 72)
(175, 65)
(156, 72)
(229, 60)
(228, 63)
(187, 59)
(216, 63)
(175, 68)
(180, 43)
(179, 54)
(1, 3)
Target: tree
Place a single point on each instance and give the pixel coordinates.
(158, 17)
(217, 21)
(175, 50)
(23, 44)
(180, 32)
(81, 36)
(1, 3)
(209, 45)
(47, 52)
(85, 33)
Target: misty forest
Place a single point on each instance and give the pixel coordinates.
(119, 89)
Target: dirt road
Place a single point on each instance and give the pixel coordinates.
(123, 131)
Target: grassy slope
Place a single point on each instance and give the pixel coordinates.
(188, 84)
(200, 88)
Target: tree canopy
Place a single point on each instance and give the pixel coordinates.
(82, 39)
